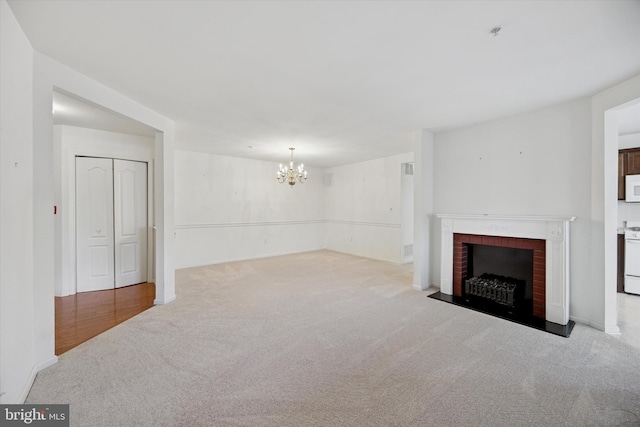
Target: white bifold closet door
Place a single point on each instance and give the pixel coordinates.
(130, 221)
(111, 223)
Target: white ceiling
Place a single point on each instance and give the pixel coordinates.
(342, 81)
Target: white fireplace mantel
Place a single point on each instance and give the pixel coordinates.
(553, 229)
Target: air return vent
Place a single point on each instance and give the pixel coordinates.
(407, 250)
(407, 168)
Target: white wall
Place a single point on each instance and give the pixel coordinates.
(69, 142)
(538, 163)
(17, 341)
(426, 233)
(406, 211)
(363, 208)
(233, 209)
(230, 208)
(627, 212)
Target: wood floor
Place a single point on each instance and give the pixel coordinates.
(82, 316)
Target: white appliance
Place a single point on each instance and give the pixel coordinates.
(632, 258)
(632, 188)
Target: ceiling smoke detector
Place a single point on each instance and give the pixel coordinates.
(495, 31)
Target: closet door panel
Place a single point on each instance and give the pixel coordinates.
(130, 221)
(94, 224)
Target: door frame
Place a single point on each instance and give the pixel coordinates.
(610, 213)
(68, 270)
(49, 76)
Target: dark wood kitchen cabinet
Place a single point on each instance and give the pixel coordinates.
(621, 174)
(628, 164)
(620, 262)
(633, 162)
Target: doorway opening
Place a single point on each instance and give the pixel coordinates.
(84, 131)
(622, 133)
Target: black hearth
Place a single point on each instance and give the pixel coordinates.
(488, 308)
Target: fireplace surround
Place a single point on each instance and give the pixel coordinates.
(546, 236)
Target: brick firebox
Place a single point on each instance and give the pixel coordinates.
(460, 258)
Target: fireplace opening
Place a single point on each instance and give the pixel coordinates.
(501, 277)
(508, 262)
(517, 258)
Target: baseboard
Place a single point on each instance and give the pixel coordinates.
(32, 377)
(580, 320)
(593, 324)
(241, 259)
(394, 261)
(433, 288)
(52, 361)
(171, 299)
(612, 330)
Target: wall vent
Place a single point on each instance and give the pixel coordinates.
(407, 168)
(408, 250)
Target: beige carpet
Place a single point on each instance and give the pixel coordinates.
(326, 339)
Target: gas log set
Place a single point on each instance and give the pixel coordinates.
(505, 291)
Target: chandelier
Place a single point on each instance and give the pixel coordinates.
(292, 174)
